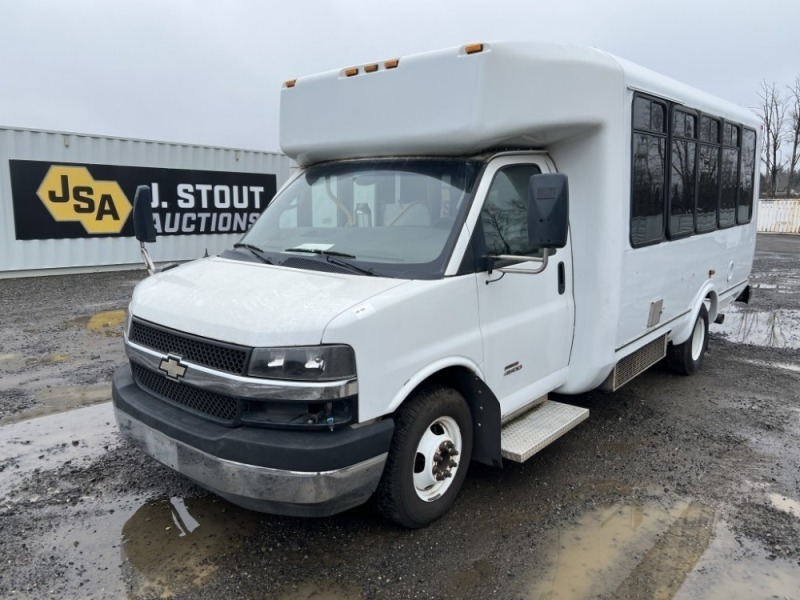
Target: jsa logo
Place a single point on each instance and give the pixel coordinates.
(72, 194)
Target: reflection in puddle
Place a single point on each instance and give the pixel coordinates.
(175, 545)
(637, 550)
(776, 329)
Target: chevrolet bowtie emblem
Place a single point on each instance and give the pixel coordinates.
(171, 366)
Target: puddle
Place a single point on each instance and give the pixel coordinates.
(48, 442)
(642, 550)
(795, 368)
(776, 329)
(735, 567)
(660, 550)
(171, 546)
(61, 398)
(784, 504)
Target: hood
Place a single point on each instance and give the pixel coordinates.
(251, 304)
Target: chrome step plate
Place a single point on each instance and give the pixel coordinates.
(526, 435)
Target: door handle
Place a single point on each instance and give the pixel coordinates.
(562, 278)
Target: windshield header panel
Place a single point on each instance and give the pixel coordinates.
(389, 217)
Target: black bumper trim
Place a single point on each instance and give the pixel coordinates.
(273, 448)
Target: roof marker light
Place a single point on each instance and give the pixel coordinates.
(473, 48)
(290, 83)
(391, 63)
(370, 68)
(351, 71)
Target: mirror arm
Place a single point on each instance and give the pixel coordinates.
(148, 262)
(542, 260)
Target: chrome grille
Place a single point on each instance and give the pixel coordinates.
(216, 355)
(210, 404)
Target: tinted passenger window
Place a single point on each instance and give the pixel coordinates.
(647, 210)
(746, 177)
(708, 188)
(682, 188)
(504, 215)
(727, 200)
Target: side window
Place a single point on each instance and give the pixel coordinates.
(746, 177)
(709, 175)
(682, 187)
(504, 215)
(730, 175)
(648, 171)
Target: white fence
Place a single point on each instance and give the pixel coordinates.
(779, 216)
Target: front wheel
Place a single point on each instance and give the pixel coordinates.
(687, 357)
(428, 457)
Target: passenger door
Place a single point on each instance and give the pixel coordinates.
(526, 320)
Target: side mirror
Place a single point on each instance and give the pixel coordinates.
(548, 210)
(143, 226)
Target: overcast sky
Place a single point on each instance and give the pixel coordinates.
(210, 72)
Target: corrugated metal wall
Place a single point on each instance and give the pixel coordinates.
(779, 216)
(34, 255)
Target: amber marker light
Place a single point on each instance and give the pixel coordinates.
(370, 68)
(391, 63)
(473, 48)
(290, 83)
(351, 71)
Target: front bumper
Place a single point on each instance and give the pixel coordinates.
(314, 473)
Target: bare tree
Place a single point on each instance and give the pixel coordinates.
(794, 133)
(773, 119)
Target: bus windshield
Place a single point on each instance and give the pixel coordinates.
(389, 217)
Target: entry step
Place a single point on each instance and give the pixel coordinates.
(526, 435)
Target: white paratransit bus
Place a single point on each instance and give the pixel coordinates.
(469, 230)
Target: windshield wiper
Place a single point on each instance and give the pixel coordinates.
(321, 252)
(330, 256)
(255, 250)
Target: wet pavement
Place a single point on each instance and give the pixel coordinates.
(676, 487)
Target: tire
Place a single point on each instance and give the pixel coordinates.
(428, 457)
(687, 357)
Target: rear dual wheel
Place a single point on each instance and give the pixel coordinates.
(428, 457)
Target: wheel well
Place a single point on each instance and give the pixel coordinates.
(484, 407)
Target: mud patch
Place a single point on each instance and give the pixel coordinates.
(771, 524)
(323, 591)
(109, 323)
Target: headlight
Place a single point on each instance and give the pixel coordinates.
(304, 363)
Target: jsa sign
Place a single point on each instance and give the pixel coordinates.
(60, 200)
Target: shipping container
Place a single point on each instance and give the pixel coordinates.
(779, 216)
(65, 199)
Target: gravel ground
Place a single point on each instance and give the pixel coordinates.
(675, 487)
